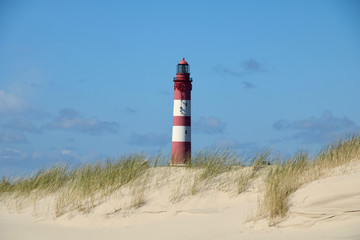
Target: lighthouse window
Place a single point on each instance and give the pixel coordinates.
(182, 68)
(186, 104)
(185, 131)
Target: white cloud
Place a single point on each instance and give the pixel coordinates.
(70, 119)
(149, 139)
(318, 129)
(22, 125)
(10, 103)
(223, 143)
(63, 155)
(12, 137)
(66, 152)
(11, 154)
(209, 125)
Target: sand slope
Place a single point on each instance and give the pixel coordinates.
(327, 200)
(328, 208)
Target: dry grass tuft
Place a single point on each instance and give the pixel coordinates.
(80, 188)
(282, 180)
(288, 175)
(84, 187)
(214, 163)
(259, 161)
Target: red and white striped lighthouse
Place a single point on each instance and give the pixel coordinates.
(181, 135)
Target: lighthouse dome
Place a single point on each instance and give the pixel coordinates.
(183, 62)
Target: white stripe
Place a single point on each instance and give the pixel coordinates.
(182, 107)
(181, 134)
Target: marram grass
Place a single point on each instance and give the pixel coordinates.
(79, 186)
(288, 175)
(84, 187)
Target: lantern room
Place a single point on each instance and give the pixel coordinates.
(183, 67)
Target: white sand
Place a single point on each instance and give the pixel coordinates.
(328, 208)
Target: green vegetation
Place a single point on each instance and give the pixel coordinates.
(288, 175)
(213, 164)
(82, 188)
(79, 186)
(85, 179)
(258, 162)
(282, 180)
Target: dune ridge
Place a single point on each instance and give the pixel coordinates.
(215, 198)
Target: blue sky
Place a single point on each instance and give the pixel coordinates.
(85, 80)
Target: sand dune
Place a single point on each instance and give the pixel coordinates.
(328, 208)
(327, 201)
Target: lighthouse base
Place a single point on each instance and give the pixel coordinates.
(180, 153)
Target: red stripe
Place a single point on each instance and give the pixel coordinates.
(182, 121)
(183, 76)
(180, 152)
(182, 95)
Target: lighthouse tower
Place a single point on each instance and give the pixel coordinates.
(181, 135)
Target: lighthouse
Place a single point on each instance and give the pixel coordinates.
(181, 134)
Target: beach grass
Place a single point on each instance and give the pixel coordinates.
(288, 175)
(83, 187)
(77, 186)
